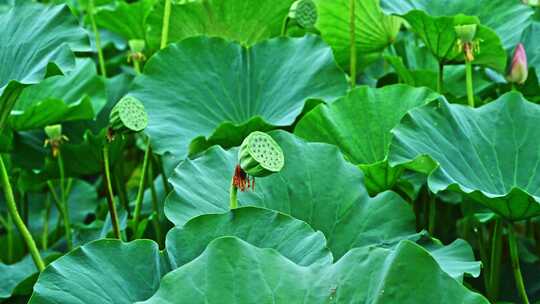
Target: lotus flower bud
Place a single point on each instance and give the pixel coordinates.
(304, 12)
(137, 45)
(260, 155)
(54, 132)
(466, 32)
(518, 69)
(128, 116)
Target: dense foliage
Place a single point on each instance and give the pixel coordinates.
(269, 151)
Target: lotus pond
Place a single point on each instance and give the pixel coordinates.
(269, 151)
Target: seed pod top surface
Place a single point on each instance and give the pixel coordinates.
(128, 115)
(54, 132)
(260, 155)
(137, 45)
(466, 32)
(304, 12)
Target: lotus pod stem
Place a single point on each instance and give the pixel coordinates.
(14, 213)
(352, 42)
(514, 257)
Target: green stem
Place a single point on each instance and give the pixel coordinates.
(480, 233)
(90, 11)
(432, 213)
(468, 75)
(352, 32)
(10, 239)
(140, 192)
(284, 26)
(233, 198)
(155, 205)
(165, 28)
(12, 209)
(137, 66)
(514, 256)
(63, 196)
(495, 260)
(8, 227)
(46, 215)
(440, 78)
(110, 198)
(120, 187)
(166, 185)
(63, 214)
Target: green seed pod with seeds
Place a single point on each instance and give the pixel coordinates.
(304, 12)
(466, 32)
(260, 155)
(128, 116)
(136, 45)
(54, 132)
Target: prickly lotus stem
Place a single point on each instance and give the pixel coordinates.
(466, 41)
(136, 47)
(259, 156)
(127, 116)
(518, 72)
(55, 138)
(304, 12)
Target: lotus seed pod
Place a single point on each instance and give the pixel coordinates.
(137, 45)
(260, 155)
(304, 12)
(54, 132)
(128, 115)
(466, 33)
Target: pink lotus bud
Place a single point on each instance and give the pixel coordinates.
(518, 70)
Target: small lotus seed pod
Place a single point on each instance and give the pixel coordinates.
(304, 12)
(260, 155)
(466, 32)
(137, 45)
(128, 116)
(54, 132)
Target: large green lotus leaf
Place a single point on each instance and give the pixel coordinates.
(507, 18)
(316, 186)
(32, 37)
(244, 21)
(19, 277)
(230, 269)
(374, 30)
(360, 123)
(489, 153)
(125, 19)
(78, 95)
(204, 87)
(456, 259)
(440, 37)
(263, 228)
(104, 272)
